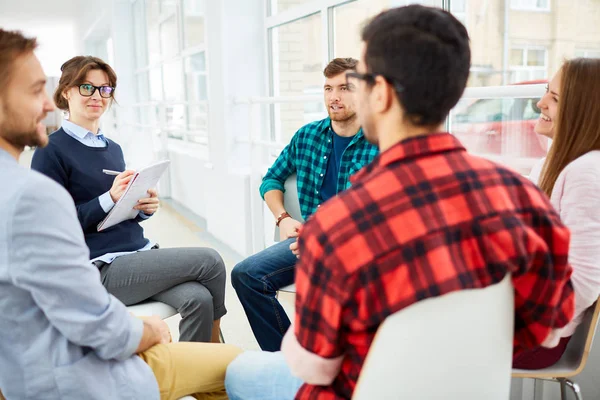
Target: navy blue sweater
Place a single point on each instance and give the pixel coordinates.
(78, 168)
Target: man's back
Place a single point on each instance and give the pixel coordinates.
(425, 219)
(53, 309)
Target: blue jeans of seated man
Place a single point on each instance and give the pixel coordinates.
(256, 281)
(259, 375)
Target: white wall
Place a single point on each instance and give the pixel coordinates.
(52, 22)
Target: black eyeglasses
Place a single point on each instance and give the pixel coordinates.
(87, 90)
(370, 79)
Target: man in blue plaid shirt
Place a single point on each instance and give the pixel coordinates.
(323, 154)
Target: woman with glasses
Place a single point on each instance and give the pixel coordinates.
(132, 268)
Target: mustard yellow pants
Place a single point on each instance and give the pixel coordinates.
(186, 368)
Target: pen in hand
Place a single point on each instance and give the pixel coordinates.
(110, 172)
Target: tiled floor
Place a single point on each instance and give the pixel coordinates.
(171, 229)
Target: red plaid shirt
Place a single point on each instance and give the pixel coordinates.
(425, 218)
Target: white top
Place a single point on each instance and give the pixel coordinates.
(576, 197)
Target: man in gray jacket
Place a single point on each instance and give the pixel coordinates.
(63, 336)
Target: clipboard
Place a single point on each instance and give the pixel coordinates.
(137, 188)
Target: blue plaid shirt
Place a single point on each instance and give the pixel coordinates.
(307, 154)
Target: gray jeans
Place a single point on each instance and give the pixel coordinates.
(191, 280)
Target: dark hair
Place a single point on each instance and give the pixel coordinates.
(12, 45)
(425, 51)
(339, 65)
(74, 72)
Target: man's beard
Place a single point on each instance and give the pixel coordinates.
(14, 131)
(344, 117)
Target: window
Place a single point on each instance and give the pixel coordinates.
(530, 5)
(297, 67)
(277, 6)
(139, 29)
(347, 20)
(459, 9)
(197, 94)
(528, 64)
(501, 129)
(169, 39)
(587, 53)
(152, 34)
(193, 23)
(171, 75)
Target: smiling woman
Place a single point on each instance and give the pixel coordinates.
(132, 267)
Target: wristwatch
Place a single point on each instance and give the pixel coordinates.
(282, 216)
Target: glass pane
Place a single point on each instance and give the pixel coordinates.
(543, 4)
(193, 22)
(278, 6)
(195, 77)
(173, 81)
(143, 94)
(139, 28)
(500, 129)
(347, 21)
(298, 67)
(153, 36)
(349, 18)
(169, 41)
(516, 57)
(175, 120)
(536, 58)
(156, 88)
(168, 6)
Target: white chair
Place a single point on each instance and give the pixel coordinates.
(164, 311)
(292, 206)
(574, 358)
(455, 346)
(148, 308)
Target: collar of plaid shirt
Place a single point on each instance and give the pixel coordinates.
(415, 146)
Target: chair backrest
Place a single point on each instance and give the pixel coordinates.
(290, 201)
(580, 345)
(455, 346)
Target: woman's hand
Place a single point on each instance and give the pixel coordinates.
(120, 184)
(148, 205)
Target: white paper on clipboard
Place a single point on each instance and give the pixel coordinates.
(142, 180)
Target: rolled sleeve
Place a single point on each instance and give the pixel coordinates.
(106, 202)
(136, 331)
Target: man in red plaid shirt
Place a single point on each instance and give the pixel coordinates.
(424, 219)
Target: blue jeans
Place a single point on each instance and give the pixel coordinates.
(256, 281)
(259, 375)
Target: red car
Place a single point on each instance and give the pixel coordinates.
(501, 127)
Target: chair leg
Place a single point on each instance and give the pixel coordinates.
(563, 388)
(575, 388)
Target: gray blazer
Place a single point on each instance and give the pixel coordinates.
(62, 336)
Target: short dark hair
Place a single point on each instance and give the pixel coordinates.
(12, 45)
(339, 65)
(74, 72)
(424, 50)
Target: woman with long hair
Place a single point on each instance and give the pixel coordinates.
(570, 176)
(132, 268)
